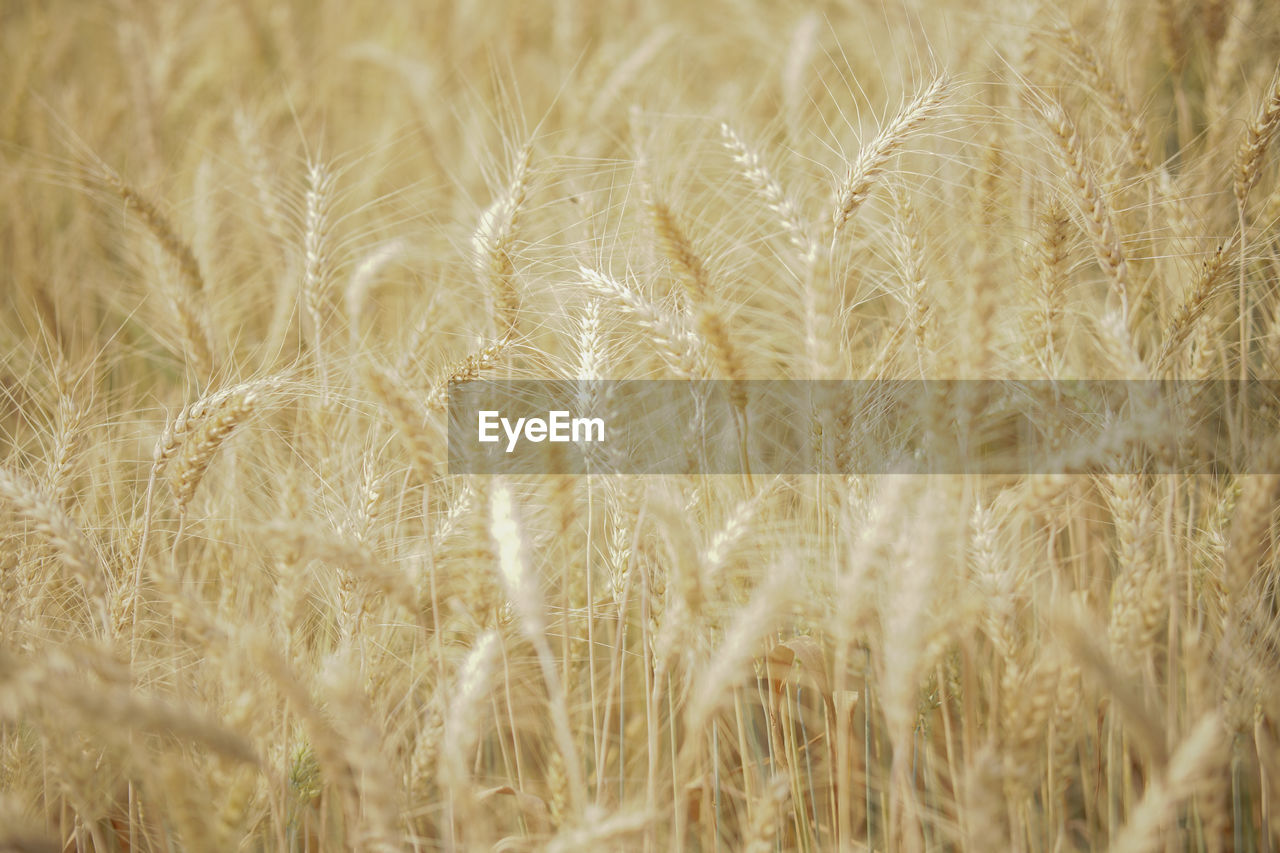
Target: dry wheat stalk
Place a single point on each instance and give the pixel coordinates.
(526, 598)
(908, 253)
(407, 415)
(472, 685)
(709, 320)
(824, 662)
(1046, 342)
(1195, 306)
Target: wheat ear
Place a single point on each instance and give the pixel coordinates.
(493, 243)
(469, 368)
(872, 159)
(1102, 231)
(1193, 307)
(159, 225)
(407, 415)
(204, 443)
(1258, 136)
(1052, 270)
(675, 245)
(63, 534)
(674, 344)
(317, 250)
(760, 179)
(1117, 103)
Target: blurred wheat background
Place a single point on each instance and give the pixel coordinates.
(245, 247)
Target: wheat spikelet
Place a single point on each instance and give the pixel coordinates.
(362, 278)
(247, 135)
(1125, 694)
(197, 342)
(59, 682)
(471, 686)
(1047, 345)
(908, 252)
(1250, 524)
(729, 536)
(1029, 705)
(317, 249)
(998, 582)
(1227, 53)
(693, 274)
(1119, 349)
(427, 743)
(738, 647)
(192, 416)
(526, 597)
(188, 301)
(513, 562)
(68, 438)
(674, 244)
(763, 830)
(1137, 598)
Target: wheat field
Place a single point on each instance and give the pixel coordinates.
(246, 248)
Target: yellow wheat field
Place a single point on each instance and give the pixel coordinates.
(245, 247)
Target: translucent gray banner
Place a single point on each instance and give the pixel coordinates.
(865, 427)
